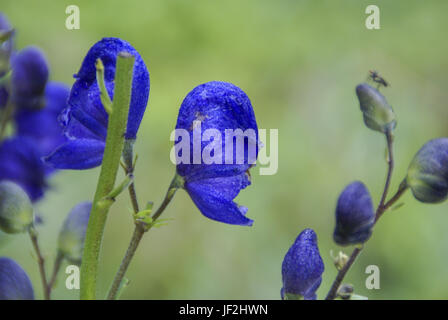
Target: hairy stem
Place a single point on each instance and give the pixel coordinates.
(111, 159)
(382, 207)
(40, 261)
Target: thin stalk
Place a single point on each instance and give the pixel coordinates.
(139, 231)
(56, 267)
(111, 159)
(40, 261)
(382, 207)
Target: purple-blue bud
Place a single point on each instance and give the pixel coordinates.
(29, 78)
(355, 215)
(14, 282)
(428, 172)
(73, 232)
(302, 268)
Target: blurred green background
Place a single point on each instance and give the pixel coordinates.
(299, 62)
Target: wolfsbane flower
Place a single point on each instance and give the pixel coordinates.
(14, 282)
(302, 268)
(73, 232)
(355, 215)
(85, 120)
(428, 172)
(212, 187)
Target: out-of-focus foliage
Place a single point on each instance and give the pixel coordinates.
(299, 62)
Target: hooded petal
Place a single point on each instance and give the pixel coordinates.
(219, 106)
(107, 50)
(302, 267)
(77, 154)
(355, 215)
(29, 77)
(42, 125)
(14, 282)
(20, 162)
(214, 198)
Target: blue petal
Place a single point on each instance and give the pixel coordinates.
(214, 198)
(77, 154)
(107, 49)
(29, 77)
(302, 266)
(220, 106)
(20, 162)
(14, 282)
(42, 125)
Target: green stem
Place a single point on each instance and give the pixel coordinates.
(54, 275)
(139, 231)
(111, 159)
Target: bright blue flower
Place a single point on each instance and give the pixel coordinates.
(85, 120)
(29, 78)
(302, 268)
(20, 162)
(14, 282)
(428, 172)
(42, 125)
(212, 187)
(355, 215)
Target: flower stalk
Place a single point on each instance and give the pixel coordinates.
(109, 168)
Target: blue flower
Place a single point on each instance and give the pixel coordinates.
(428, 172)
(355, 215)
(73, 232)
(14, 282)
(85, 120)
(20, 162)
(302, 268)
(5, 54)
(29, 78)
(213, 186)
(42, 125)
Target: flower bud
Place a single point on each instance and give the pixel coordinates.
(378, 114)
(428, 172)
(73, 232)
(355, 215)
(302, 268)
(16, 210)
(14, 282)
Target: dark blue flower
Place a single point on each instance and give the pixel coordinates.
(428, 172)
(20, 162)
(355, 215)
(73, 232)
(42, 125)
(6, 47)
(14, 282)
(213, 186)
(85, 120)
(302, 268)
(29, 78)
